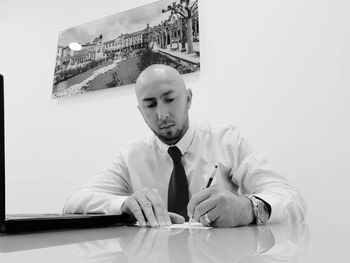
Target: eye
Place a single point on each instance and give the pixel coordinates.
(169, 99)
(151, 105)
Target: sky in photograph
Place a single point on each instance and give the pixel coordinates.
(112, 26)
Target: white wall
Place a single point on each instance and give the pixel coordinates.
(279, 70)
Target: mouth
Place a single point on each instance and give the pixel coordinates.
(164, 127)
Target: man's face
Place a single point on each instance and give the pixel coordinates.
(164, 107)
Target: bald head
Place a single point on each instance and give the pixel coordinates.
(156, 75)
(164, 101)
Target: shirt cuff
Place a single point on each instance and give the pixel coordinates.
(277, 213)
(116, 205)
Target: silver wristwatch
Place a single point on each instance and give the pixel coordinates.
(260, 211)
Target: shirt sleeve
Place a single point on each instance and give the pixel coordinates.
(254, 175)
(104, 193)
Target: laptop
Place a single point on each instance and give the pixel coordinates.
(37, 222)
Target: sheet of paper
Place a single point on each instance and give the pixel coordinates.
(188, 225)
(193, 224)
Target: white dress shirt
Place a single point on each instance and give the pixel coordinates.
(145, 163)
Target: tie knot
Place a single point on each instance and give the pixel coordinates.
(175, 154)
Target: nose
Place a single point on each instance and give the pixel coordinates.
(162, 112)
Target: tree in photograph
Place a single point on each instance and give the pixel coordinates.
(154, 36)
(174, 25)
(165, 29)
(159, 34)
(186, 11)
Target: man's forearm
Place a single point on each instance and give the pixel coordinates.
(84, 201)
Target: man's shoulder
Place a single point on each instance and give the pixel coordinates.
(217, 135)
(140, 144)
(207, 128)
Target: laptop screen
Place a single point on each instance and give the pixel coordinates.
(2, 154)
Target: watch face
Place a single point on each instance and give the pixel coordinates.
(263, 214)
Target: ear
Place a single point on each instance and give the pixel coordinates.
(189, 97)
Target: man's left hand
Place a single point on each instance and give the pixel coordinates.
(223, 208)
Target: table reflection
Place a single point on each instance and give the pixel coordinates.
(272, 243)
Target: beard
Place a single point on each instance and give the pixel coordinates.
(172, 137)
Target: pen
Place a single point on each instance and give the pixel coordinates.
(211, 178)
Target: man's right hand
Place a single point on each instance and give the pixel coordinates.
(147, 207)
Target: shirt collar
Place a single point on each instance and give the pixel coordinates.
(183, 144)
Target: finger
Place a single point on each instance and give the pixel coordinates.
(147, 209)
(204, 207)
(176, 218)
(158, 208)
(197, 199)
(205, 220)
(136, 210)
(168, 220)
(209, 218)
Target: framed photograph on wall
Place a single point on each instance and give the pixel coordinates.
(112, 51)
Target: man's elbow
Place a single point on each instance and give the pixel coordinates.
(72, 205)
(298, 210)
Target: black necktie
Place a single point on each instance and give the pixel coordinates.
(178, 187)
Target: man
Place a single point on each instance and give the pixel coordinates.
(160, 184)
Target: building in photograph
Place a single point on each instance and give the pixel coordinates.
(86, 54)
